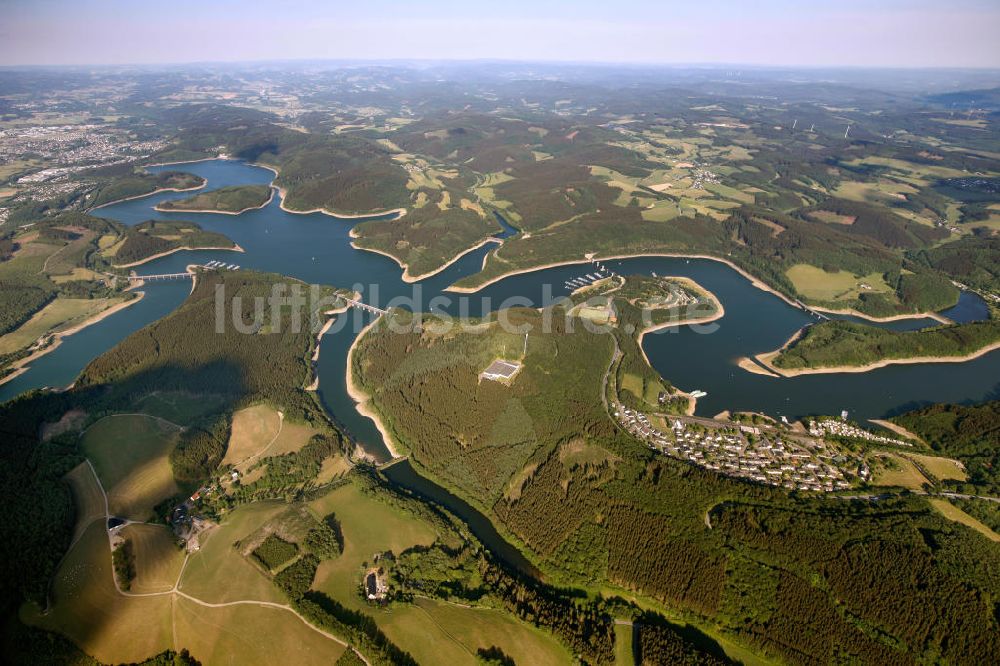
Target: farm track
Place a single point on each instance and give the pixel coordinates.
(175, 591)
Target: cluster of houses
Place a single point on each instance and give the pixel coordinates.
(943, 224)
(744, 452)
(675, 296)
(835, 428)
(701, 177)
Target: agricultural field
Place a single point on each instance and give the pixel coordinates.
(130, 454)
(431, 630)
(623, 645)
(158, 557)
(251, 635)
(59, 315)
(369, 526)
(181, 407)
(897, 470)
(439, 632)
(218, 572)
(642, 388)
(817, 284)
(943, 469)
(88, 499)
(88, 608)
(115, 628)
(254, 429)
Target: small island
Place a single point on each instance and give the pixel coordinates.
(231, 200)
(846, 346)
(156, 238)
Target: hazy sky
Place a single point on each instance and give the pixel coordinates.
(912, 33)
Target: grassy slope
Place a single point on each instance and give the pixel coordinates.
(130, 454)
(88, 609)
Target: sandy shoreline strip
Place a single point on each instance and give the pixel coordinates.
(719, 313)
(331, 317)
(679, 255)
(282, 192)
(149, 194)
(362, 399)
(860, 315)
(749, 365)
(202, 159)
(768, 357)
(22, 365)
(216, 212)
(406, 277)
(898, 429)
(234, 248)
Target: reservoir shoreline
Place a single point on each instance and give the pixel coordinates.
(22, 365)
(362, 399)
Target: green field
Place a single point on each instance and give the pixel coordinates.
(89, 610)
(433, 631)
(218, 572)
(251, 635)
(114, 628)
(253, 430)
(87, 497)
(439, 632)
(898, 470)
(130, 454)
(158, 558)
(369, 527)
(817, 284)
(623, 645)
(181, 407)
(58, 315)
(944, 469)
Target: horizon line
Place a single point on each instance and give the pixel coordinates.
(676, 64)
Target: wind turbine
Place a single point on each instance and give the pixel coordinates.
(847, 131)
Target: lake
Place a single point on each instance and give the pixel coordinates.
(316, 248)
